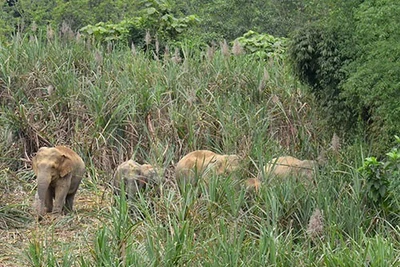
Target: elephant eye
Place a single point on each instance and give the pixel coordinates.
(53, 165)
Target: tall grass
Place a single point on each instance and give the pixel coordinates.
(115, 104)
(111, 105)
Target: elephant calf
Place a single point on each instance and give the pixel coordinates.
(202, 162)
(134, 176)
(59, 171)
(284, 166)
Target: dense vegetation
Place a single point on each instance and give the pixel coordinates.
(350, 61)
(154, 80)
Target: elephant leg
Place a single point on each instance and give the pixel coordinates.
(131, 187)
(49, 199)
(61, 191)
(69, 203)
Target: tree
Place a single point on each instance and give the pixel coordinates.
(75, 13)
(373, 83)
(228, 20)
(350, 60)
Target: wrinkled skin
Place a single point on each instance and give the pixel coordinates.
(285, 166)
(59, 171)
(202, 163)
(134, 176)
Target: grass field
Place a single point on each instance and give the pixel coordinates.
(113, 103)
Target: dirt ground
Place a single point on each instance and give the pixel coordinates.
(73, 233)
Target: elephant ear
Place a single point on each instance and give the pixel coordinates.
(65, 166)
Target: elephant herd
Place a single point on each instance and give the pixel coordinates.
(59, 171)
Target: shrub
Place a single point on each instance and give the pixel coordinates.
(372, 86)
(317, 58)
(126, 30)
(382, 180)
(156, 18)
(264, 46)
(352, 67)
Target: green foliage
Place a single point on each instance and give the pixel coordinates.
(231, 19)
(158, 18)
(25, 14)
(383, 180)
(317, 58)
(12, 217)
(264, 46)
(151, 105)
(155, 18)
(372, 86)
(38, 11)
(114, 104)
(124, 31)
(40, 253)
(377, 182)
(8, 19)
(350, 61)
(220, 228)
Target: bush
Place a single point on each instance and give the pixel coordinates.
(372, 86)
(156, 19)
(352, 68)
(264, 46)
(317, 57)
(382, 180)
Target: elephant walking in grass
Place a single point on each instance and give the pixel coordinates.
(135, 177)
(203, 163)
(291, 166)
(59, 172)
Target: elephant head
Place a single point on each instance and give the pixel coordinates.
(59, 171)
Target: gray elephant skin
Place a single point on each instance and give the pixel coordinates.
(134, 176)
(59, 172)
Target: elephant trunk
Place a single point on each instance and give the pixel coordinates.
(43, 180)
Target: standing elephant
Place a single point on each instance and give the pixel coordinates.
(59, 171)
(134, 176)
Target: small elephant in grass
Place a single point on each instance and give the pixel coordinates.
(287, 165)
(59, 172)
(135, 177)
(202, 162)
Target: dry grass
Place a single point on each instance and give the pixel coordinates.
(73, 232)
